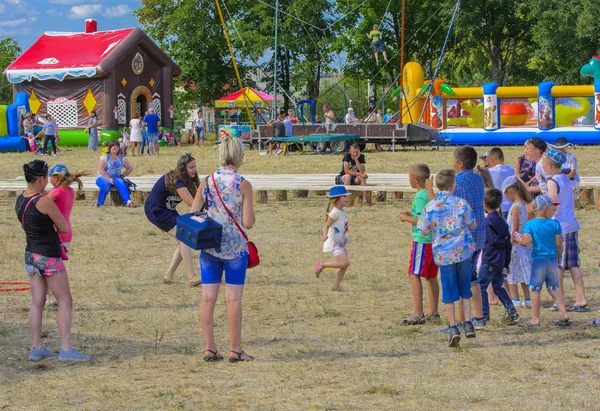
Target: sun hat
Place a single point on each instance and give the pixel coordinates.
(389, 110)
(556, 156)
(58, 169)
(561, 143)
(337, 191)
(541, 202)
(485, 155)
(538, 143)
(508, 182)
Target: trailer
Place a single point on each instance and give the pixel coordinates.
(337, 137)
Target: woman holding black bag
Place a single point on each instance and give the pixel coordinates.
(229, 201)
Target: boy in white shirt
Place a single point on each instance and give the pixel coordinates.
(500, 172)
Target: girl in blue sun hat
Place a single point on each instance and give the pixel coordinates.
(335, 235)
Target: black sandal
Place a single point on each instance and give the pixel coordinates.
(239, 357)
(215, 356)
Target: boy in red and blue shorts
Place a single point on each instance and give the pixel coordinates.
(421, 263)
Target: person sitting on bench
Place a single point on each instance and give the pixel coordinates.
(353, 170)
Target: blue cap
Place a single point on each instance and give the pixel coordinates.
(556, 156)
(541, 202)
(337, 191)
(508, 182)
(58, 169)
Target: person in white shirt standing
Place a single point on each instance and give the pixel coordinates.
(350, 117)
(500, 172)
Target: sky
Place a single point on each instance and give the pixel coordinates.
(27, 20)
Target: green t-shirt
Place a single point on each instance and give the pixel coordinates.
(420, 201)
(375, 36)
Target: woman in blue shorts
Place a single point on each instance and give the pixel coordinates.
(38, 215)
(228, 196)
(171, 189)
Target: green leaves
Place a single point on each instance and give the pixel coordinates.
(9, 51)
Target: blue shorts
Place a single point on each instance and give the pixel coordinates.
(379, 47)
(152, 137)
(456, 281)
(570, 251)
(544, 271)
(211, 269)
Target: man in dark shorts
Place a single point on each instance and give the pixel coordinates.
(353, 170)
(278, 131)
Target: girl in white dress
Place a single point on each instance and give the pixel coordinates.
(520, 262)
(335, 236)
(136, 132)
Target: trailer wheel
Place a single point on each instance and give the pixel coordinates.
(321, 147)
(339, 147)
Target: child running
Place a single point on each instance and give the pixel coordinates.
(421, 257)
(544, 234)
(496, 256)
(449, 218)
(64, 198)
(520, 261)
(335, 235)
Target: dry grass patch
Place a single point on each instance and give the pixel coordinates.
(315, 349)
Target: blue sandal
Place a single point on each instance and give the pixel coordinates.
(578, 309)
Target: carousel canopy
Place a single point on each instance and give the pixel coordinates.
(237, 100)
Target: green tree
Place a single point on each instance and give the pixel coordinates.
(9, 51)
(190, 32)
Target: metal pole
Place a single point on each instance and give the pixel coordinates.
(402, 62)
(237, 73)
(345, 100)
(275, 62)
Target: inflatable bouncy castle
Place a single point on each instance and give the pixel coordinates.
(11, 123)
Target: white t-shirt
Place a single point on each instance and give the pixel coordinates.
(350, 118)
(540, 176)
(565, 213)
(337, 235)
(199, 122)
(500, 173)
(572, 164)
(327, 119)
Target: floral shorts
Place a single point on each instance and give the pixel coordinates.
(42, 265)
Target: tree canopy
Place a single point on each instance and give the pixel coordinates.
(510, 42)
(9, 50)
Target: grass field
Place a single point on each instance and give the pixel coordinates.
(315, 349)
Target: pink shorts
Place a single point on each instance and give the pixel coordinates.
(42, 265)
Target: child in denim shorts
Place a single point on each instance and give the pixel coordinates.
(544, 234)
(449, 219)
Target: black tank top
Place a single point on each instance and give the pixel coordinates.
(41, 237)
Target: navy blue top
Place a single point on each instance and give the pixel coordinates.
(496, 251)
(161, 197)
(152, 121)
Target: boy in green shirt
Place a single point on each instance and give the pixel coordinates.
(377, 42)
(421, 257)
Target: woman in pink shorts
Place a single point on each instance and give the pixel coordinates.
(39, 216)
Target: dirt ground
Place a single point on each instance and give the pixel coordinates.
(315, 349)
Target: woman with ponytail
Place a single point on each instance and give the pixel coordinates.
(42, 222)
(171, 189)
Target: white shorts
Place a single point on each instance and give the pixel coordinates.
(337, 250)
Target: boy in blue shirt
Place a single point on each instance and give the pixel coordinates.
(470, 186)
(544, 234)
(496, 256)
(421, 263)
(449, 218)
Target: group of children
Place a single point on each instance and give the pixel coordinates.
(478, 236)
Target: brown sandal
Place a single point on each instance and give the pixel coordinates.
(216, 356)
(239, 357)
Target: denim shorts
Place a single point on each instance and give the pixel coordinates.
(378, 47)
(544, 271)
(212, 268)
(456, 281)
(152, 137)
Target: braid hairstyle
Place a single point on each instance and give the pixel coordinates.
(191, 183)
(65, 180)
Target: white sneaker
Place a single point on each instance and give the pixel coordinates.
(517, 302)
(526, 303)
